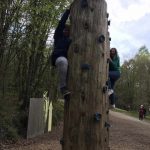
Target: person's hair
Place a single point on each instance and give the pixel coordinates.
(113, 48)
(116, 52)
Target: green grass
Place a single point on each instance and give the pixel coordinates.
(119, 110)
(131, 113)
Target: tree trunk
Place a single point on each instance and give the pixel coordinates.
(86, 113)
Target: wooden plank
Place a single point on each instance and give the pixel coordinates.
(48, 115)
(36, 118)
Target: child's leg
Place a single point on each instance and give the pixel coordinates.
(62, 66)
(114, 76)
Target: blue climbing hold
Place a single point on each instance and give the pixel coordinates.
(101, 38)
(97, 116)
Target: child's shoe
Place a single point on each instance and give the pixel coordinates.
(110, 91)
(65, 92)
(112, 106)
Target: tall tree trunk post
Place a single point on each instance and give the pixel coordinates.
(86, 113)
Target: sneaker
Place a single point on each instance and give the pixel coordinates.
(110, 91)
(112, 106)
(65, 91)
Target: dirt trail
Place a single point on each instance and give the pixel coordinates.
(126, 133)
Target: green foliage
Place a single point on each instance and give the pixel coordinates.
(25, 30)
(131, 113)
(58, 112)
(8, 118)
(134, 85)
(7, 131)
(25, 52)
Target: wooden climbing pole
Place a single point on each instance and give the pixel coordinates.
(86, 123)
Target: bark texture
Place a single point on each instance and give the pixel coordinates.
(88, 72)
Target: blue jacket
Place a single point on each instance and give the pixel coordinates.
(61, 42)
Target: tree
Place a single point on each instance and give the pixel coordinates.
(25, 29)
(134, 84)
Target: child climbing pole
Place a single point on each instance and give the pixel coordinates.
(114, 74)
(59, 56)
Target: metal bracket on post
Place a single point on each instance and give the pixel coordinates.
(101, 38)
(84, 3)
(97, 117)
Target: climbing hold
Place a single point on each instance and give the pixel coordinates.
(104, 89)
(86, 26)
(107, 15)
(107, 125)
(107, 83)
(82, 96)
(108, 22)
(107, 112)
(62, 141)
(85, 67)
(101, 38)
(109, 39)
(84, 3)
(92, 9)
(108, 60)
(97, 116)
(103, 54)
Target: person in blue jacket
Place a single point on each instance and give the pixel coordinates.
(114, 74)
(59, 54)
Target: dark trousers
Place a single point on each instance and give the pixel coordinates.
(113, 77)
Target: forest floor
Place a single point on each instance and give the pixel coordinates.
(126, 133)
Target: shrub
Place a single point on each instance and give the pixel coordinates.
(58, 112)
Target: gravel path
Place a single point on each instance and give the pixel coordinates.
(126, 133)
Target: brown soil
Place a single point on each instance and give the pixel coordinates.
(126, 133)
